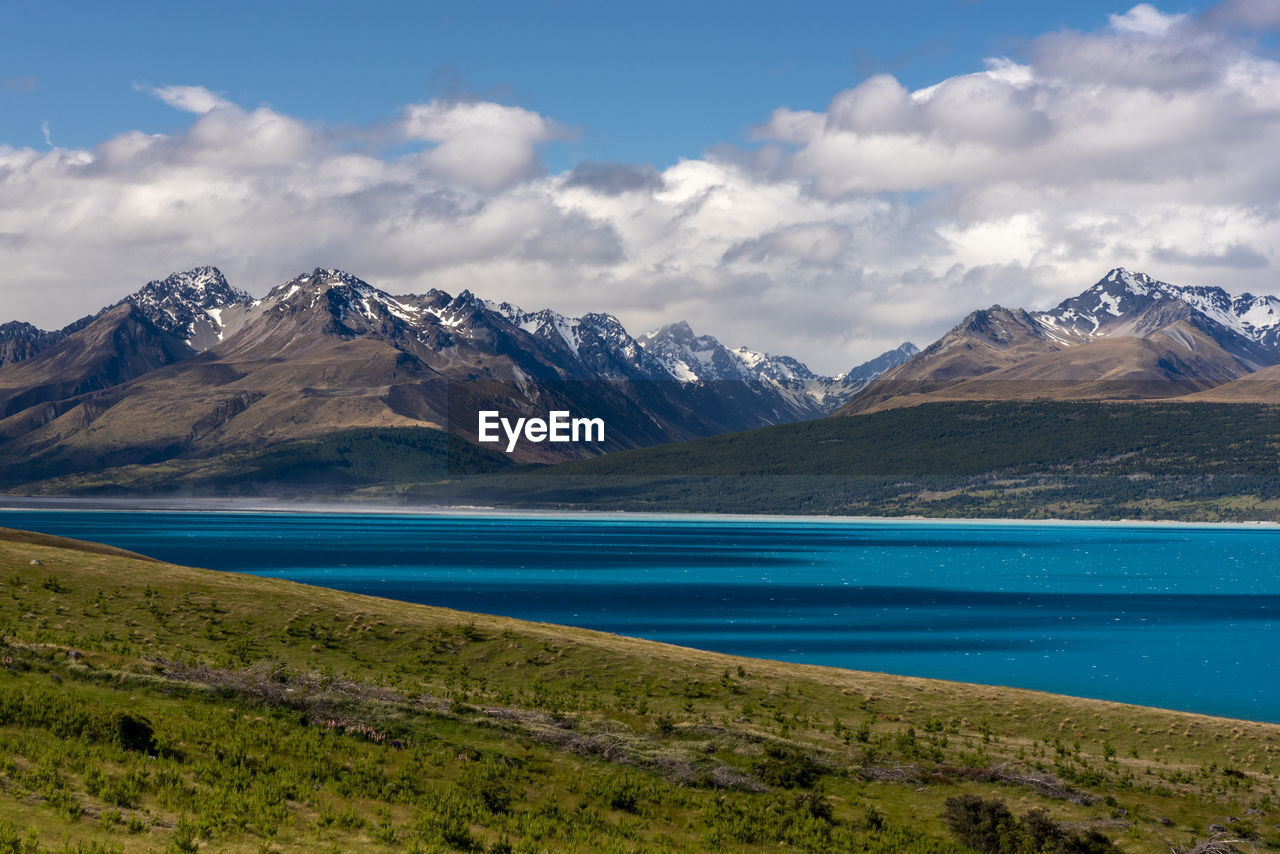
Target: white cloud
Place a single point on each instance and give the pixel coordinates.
(1144, 19)
(482, 145)
(835, 235)
(190, 99)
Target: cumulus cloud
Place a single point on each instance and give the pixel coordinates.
(263, 195)
(1143, 99)
(829, 235)
(189, 99)
(1146, 20)
(482, 145)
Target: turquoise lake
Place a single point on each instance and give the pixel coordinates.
(1174, 616)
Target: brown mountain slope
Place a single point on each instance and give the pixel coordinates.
(328, 352)
(1259, 387)
(217, 371)
(296, 369)
(1161, 348)
(985, 342)
(1106, 369)
(206, 404)
(119, 345)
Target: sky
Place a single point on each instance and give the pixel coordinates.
(823, 180)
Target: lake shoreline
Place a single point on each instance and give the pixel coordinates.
(1120, 611)
(290, 506)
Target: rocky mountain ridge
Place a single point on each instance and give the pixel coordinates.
(189, 365)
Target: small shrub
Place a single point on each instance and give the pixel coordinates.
(983, 824)
(487, 782)
(183, 840)
(814, 804)
(132, 733)
(786, 767)
(986, 825)
(621, 794)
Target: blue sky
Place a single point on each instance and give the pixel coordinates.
(823, 180)
(639, 82)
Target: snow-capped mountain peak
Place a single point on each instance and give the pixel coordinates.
(188, 305)
(360, 307)
(317, 282)
(545, 323)
(597, 341)
(693, 358)
(1117, 303)
(777, 368)
(202, 287)
(1139, 284)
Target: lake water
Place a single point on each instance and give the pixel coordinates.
(1172, 616)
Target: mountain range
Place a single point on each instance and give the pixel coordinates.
(190, 366)
(1128, 337)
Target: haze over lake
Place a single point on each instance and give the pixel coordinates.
(1180, 617)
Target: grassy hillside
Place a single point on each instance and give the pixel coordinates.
(152, 707)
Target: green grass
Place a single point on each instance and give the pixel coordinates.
(146, 707)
